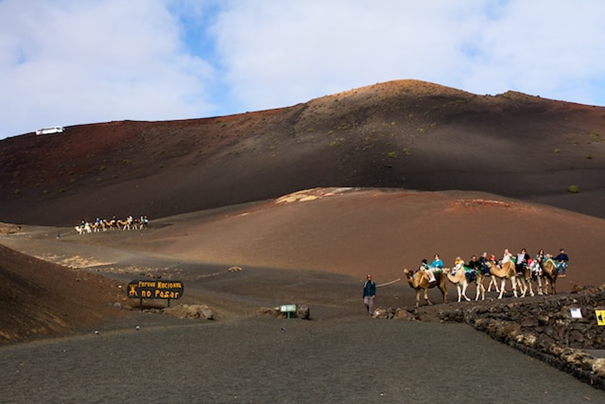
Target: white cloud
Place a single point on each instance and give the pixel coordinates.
(66, 62)
(543, 47)
(281, 52)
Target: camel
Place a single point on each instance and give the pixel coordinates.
(507, 271)
(524, 280)
(550, 273)
(84, 228)
(125, 223)
(109, 224)
(141, 223)
(420, 280)
(458, 277)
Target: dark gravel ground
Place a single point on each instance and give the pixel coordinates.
(357, 359)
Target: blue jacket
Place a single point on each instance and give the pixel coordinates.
(437, 264)
(369, 289)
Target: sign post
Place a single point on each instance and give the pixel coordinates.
(287, 308)
(147, 289)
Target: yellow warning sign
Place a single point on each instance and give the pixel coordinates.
(600, 315)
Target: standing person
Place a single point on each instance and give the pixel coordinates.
(369, 293)
(562, 259)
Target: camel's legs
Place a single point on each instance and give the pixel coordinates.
(531, 290)
(480, 290)
(540, 289)
(514, 281)
(426, 297)
(493, 282)
(464, 286)
(502, 288)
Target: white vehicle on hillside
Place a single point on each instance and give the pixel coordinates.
(50, 130)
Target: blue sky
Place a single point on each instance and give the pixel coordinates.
(68, 62)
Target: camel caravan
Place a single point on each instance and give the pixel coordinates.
(521, 271)
(130, 223)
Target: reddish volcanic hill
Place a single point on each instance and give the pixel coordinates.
(405, 134)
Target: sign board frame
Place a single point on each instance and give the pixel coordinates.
(155, 289)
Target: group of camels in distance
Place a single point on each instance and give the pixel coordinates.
(462, 276)
(98, 225)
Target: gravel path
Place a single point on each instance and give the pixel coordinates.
(253, 360)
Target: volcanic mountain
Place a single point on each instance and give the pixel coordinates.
(307, 199)
(402, 134)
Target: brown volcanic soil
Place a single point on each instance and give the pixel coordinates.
(404, 134)
(315, 247)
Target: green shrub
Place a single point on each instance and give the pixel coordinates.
(574, 189)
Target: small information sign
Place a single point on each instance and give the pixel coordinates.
(286, 308)
(600, 315)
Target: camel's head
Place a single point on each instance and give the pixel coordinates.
(407, 272)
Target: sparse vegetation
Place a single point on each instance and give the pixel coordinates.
(596, 137)
(392, 154)
(573, 189)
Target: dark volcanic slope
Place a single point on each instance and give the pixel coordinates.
(38, 298)
(406, 134)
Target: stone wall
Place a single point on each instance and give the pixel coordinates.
(542, 327)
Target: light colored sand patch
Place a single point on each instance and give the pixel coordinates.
(476, 203)
(73, 262)
(307, 195)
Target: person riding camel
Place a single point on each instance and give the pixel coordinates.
(424, 266)
(506, 257)
(522, 260)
